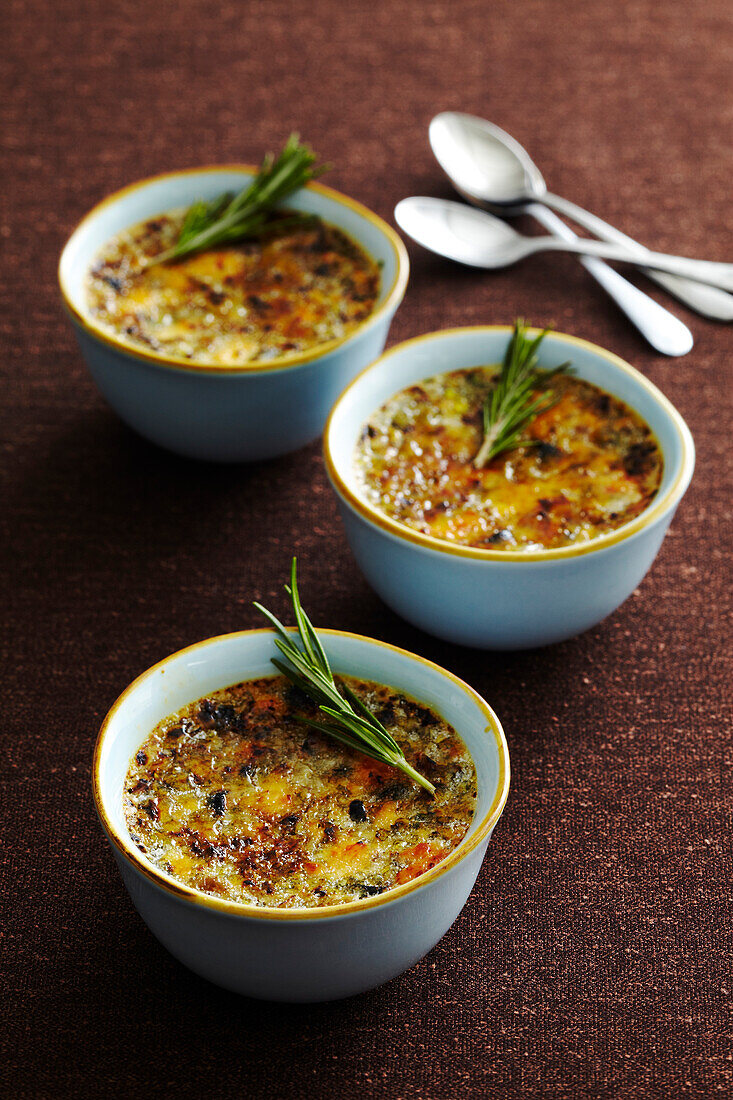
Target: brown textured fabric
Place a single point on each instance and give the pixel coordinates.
(594, 957)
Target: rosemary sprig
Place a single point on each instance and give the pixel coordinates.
(351, 721)
(230, 217)
(517, 397)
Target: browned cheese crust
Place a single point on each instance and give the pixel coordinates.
(248, 303)
(236, 797)
(591, 465)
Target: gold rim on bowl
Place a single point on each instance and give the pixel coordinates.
(657, 507)
(124, 846)
(391, 301)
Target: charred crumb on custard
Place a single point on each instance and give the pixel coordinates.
(292, 290)
(589, 465)
(245, 802)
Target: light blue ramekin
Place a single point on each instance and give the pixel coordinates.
(227, 414)
(497, 599)
(302, 954)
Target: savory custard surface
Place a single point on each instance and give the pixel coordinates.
(235, 797)
(591, 465)
(287, 292)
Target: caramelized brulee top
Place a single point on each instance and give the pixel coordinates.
(287, 292)
(586, 466)
(235, 797)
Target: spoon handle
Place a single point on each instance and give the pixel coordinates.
(662, 329)
(705, 271)
(709, 301)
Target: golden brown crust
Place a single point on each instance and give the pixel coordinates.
(591, 466)
(286, 293)
(234, 796)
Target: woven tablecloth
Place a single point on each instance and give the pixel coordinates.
(593, 959)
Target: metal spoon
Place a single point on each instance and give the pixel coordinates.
(490, 168)
(665, 332)
(477, 238)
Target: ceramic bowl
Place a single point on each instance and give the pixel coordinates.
(489, 598)
(298, 954)
(218, 412)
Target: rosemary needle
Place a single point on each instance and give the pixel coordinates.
(518, 396)
(349, 720)
(229, 217)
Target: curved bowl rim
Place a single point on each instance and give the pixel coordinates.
(657, 508)
(391, 301)
(124, 846)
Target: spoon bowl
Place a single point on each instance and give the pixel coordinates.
(460, 232)
(483, 162)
